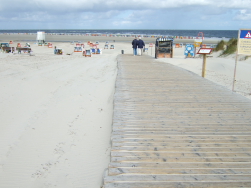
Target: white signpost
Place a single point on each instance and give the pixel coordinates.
(243, 47)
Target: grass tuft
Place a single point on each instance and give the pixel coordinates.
(231, 47)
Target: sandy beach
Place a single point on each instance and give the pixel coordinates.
(56, 110)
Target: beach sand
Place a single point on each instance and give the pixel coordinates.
(56, 116)
(56, 111)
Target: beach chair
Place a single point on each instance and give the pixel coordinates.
(8, 49)
(83, 53)
(59, 51)
(106, 46)
(4, 45)
(112, 46)
(99, 51)
(93, 50)
(50, 45)
(88, 53)
(78, 49)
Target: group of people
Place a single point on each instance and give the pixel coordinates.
(138, 43)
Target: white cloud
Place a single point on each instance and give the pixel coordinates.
(243, 14)
(128, 13)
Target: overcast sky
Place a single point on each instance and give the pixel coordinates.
(125, 14)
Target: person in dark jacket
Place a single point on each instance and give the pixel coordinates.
(141, 45)
(134, 46)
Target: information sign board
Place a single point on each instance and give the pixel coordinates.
(189, 50)
(205, 51)
(244, 43)
(197, 42)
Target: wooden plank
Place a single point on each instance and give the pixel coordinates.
(210, 184)
(180, 177)
(180, 154)
(182, 159)
(128, 170)
(184, 165)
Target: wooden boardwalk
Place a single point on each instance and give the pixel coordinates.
(172, 128)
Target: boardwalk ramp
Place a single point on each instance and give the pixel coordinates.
(173, 128)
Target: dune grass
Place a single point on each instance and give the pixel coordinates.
(227, 47)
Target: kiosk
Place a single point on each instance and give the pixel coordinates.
(164, 48)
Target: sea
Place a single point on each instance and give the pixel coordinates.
(147, 32)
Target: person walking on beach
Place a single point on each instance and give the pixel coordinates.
(141, 45)
(134, 46)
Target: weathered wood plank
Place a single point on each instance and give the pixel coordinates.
(128, 170)
(183, 184)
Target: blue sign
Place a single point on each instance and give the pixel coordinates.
(189, 50)
(245, 34)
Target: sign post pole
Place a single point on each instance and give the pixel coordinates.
(204, 65)
(236, 59)
(204, 52)
(243, 47)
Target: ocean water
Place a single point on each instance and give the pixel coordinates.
(191, 33)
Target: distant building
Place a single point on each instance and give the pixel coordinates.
(40, 36)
